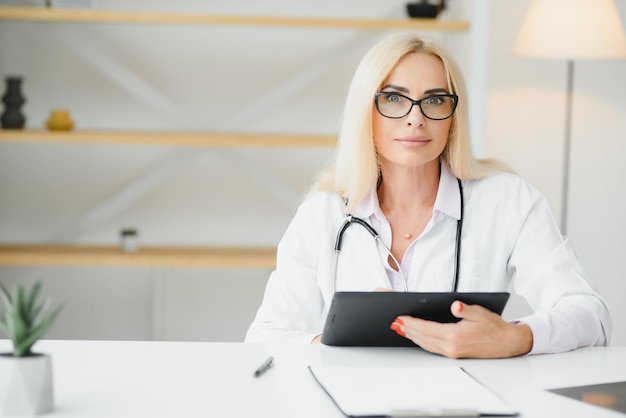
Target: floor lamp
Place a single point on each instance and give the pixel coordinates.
(571, 30)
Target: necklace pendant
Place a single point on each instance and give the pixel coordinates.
(406, 235)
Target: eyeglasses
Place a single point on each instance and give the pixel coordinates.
(396, 106)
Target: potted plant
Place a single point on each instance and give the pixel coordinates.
(25, 376)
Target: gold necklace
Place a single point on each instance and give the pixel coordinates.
(409, 235)
(405, 235)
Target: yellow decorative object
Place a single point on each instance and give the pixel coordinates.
(60, 121)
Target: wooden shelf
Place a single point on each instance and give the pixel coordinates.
(111, 256)
(197, 139)
(41, 14)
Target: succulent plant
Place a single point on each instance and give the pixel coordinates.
(25, 320)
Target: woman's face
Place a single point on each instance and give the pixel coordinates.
(412, 140)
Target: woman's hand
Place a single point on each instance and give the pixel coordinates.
(479, 334)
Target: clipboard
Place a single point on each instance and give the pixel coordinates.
(408, 392)
(363, 318)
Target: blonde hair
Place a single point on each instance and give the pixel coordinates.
(356, 169)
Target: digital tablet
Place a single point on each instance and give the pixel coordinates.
(363, 318)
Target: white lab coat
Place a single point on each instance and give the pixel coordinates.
(508, 232)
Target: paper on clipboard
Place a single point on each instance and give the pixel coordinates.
(397, 392)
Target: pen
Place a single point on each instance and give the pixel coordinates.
(264, 367)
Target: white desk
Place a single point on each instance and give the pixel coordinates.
(175, 379)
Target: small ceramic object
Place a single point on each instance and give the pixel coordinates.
(129, 240)
(60, 120)
(424, 9)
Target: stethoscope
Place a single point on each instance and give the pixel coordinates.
(354, 220)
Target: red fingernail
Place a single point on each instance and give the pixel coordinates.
(399, 321)
(395, 327)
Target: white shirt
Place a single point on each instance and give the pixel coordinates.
(508, 233)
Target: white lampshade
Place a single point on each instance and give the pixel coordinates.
(572, 29)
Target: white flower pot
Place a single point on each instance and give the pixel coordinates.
(25, 385)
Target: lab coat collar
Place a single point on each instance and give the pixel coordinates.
(447, 201)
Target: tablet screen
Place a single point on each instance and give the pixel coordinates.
(363, 318)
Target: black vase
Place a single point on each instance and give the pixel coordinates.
(424, 9)
(12, 117)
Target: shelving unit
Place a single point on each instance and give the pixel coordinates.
(38, 14)
(207, 291)
(56, 255)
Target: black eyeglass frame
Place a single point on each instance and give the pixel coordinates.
(455, 101)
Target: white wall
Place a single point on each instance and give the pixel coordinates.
(525, 128)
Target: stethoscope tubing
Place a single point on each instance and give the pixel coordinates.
(350, 219)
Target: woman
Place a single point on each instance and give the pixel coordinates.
(404, 165)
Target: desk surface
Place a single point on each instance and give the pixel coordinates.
(185, 379)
